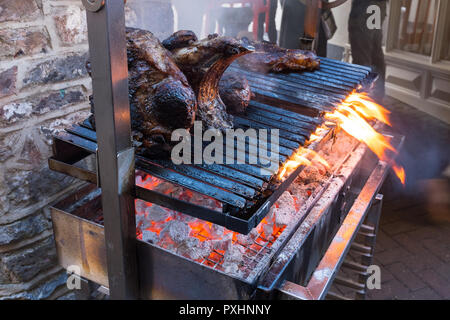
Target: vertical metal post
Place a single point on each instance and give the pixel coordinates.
(107, 45)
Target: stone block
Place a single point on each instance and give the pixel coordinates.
(23, 42)
(8, 81)
(23, 10)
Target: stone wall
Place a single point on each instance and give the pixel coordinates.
(43, 88)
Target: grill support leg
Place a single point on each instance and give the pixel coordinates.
(363, 248)
(107, 46)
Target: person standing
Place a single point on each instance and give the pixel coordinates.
(273, 33)
(292, 27)
(366, 39)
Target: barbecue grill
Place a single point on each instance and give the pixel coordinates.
(285, 266)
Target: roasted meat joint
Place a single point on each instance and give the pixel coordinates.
(152, 152)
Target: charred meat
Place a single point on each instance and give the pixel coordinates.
(161, 99)
(235, 92)
(269, 57)
(180, 39)
(204, 62)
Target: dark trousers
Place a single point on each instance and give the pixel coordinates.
(366, 44)
(292, 27)
(273, 33)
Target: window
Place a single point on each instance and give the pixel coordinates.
(416, 26)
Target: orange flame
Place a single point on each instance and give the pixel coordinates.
(368, 108)
(305, 157)
(318, 133)
(352, 116)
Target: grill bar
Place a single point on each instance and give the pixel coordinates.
(239, 176)
(191, 183)
(288, 114)
(202, 175)
(290, 89)
(278, 98)
(241, 122)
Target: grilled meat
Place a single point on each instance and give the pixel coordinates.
(180, 39)
(204, 62)
(235, 92)
(269, 57)
(161, 99)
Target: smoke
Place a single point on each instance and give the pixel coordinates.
(191, 15)
(154, 15)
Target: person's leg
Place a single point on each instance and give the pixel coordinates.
(292, 24)
(360, 38)
(261, 26)
(322, 43)
(379, 66)
(378, 60)
(273, 33)
(367, 44)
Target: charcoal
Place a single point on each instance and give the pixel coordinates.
(194, 249)
(223, 244)
(142, 222)
(150, 236)
(284, 210)
(268, 230)
(157, 213)
(245, 240)
(140, 206)
(177, 231)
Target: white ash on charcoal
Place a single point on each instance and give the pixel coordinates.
(194, 249)
(141, 206)
(142, 222)
(175, 230)
(284, 210)
(150, 236)
(247, 240)
(312, 174)
(233, 259)
(157, 214)
(184, 217)
(224, 243)
(217, 231)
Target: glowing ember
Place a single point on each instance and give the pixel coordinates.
(203, 241)
(352, 116)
